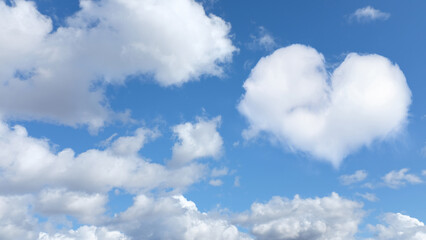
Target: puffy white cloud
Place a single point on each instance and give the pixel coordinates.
(196, 140)
(15, 220)
(87, 208)
(358, 176)
(291, 97)
(85, 233)
(30, 165)
(369, 14)
(149, 217)
(327, 218)
(396, 179)
(59, 184)
(61, 76)
(400, 227)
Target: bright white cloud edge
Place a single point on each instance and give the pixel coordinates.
(60, 76)
(292, 98)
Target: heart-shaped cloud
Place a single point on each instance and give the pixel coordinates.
(291, 97)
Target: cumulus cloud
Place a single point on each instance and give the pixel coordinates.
(85, 233)
(324, 218)
(15, 220)
(369, 13)
(196, 140)
(399, 227)
(292, 98)
(29, 165)
(60, 76)
(358, 176)
(397, 179)
(149, 217)
(54, 185)
(87, 208)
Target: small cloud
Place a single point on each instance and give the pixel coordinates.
(369, 185)
(424, 172)
(237, 181)
(216, 182)
(396, 179)
(358, 176)
(107, 142)
(368, 196)
(263, 40)
(368, 14)
(219, 172)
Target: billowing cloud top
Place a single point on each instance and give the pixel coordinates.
(325, 218)
(52, 75)
(291, 97)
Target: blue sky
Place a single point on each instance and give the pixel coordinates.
(212, 119)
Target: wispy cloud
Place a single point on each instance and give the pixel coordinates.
(397, 179)
(368, 14)
(358, 176)
(368, 196)
(263, 40)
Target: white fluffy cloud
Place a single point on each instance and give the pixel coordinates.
(85, 233)
(369, 14)
(29, 165)
(396, 179)
(15, 220)
(291, 97)
(358, 176)
(196, 140)
(87, 208)
(327, 218)
(173, 218)
(60, 76)
(400, 227)
(59, 184)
